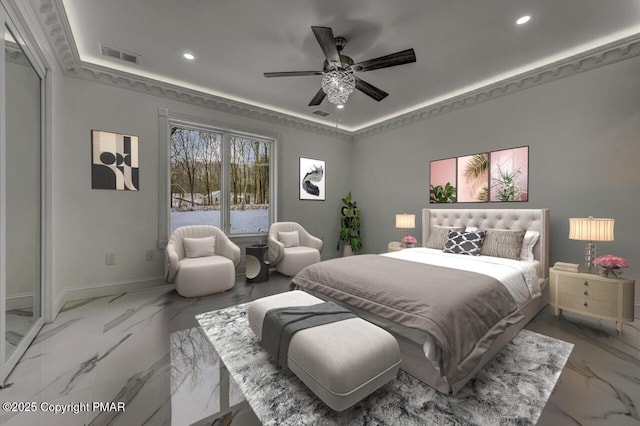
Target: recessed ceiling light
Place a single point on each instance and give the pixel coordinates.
(523, 19)
(340, 106)
(189, 56)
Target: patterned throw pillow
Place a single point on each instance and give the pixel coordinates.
(460, 242)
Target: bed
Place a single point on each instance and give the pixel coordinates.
(450, 313)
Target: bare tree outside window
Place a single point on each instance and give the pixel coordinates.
(249, 185)
(196, 180)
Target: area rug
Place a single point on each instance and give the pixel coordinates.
(511, 389)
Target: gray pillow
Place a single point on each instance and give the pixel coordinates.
(438, 236)
(503, 243)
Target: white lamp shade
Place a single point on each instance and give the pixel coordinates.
(591, 229)
(405, 221)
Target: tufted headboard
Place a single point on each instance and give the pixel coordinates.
(514, 219)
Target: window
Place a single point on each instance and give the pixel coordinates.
(220, 177)
(249, 189)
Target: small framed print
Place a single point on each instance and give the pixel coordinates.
(312, 179)
(510, 174)
(114, 161)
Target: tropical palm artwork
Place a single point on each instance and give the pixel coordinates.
(473, 178)
(499, 176)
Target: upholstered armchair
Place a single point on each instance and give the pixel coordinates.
(291, 247)
(201, 260)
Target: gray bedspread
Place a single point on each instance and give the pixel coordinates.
(463, 311)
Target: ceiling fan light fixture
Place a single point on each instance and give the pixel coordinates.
(340, 106)
(338, 85)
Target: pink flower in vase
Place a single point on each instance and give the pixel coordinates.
(409, 241)
(610, 262)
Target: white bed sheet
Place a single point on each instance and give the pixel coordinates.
(519, 277)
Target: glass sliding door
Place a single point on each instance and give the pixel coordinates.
(22, 200)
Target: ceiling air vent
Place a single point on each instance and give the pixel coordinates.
(320, 113)
(112, 52)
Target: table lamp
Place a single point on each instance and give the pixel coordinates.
(405, 221)
(590, 229)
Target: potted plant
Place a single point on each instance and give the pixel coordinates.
(506, 188)
(350, 226)
(442, 194)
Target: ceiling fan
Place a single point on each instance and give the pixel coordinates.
(338, 80)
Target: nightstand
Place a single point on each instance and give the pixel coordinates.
(593, 295)
(394, 246)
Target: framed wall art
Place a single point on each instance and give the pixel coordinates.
(312, 179)
(442, 181)
(510, 174)
(473, 178)
(114, 161)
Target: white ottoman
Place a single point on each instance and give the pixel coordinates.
(342, 362)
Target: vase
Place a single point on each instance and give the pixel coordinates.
(347, 251)
(605, 272)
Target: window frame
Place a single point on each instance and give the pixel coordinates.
(169, 119)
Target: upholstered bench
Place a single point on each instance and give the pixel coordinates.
(341, 362)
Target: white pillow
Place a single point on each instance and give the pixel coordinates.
(529, 242)
(289, 239)
(199, 247)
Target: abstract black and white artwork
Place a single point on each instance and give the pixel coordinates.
(114, 161)
(312, 179)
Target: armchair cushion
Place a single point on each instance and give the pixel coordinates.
(212, 271)
(199, 247)
(289, 239)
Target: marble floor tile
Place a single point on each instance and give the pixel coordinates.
(67, 362)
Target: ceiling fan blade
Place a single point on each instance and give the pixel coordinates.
(372, 91)
(325, 38)
(398, 58)
(291, 73)
(318, 98)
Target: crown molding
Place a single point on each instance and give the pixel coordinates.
(58, 31)
(594, 58)
(54, 21)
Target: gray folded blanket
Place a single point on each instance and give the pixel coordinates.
(280, 324)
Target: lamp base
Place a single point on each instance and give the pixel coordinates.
(589, 256)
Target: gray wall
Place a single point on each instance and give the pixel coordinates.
(582, 133)
(89, 223)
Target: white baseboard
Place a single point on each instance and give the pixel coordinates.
(114, 288)
(19, 301)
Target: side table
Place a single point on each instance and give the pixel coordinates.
(593, 295)
(394, 246)
(257, 264)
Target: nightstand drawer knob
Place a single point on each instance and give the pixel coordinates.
(586, 304)
(586, 293)
(586, 283)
